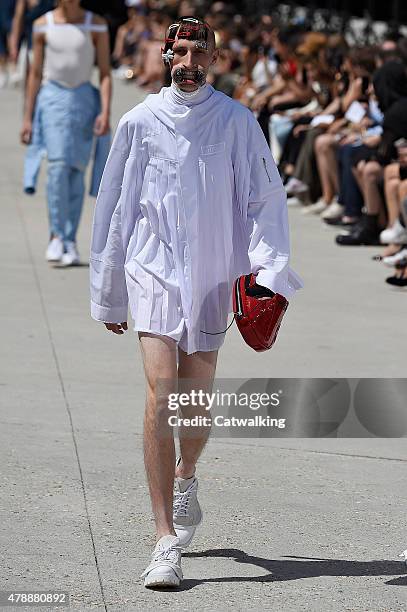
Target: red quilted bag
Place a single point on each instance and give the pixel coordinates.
(258, 320)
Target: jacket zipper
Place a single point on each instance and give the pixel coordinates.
(265, 167)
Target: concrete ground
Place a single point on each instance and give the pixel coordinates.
(289, 523)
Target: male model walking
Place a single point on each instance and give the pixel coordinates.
(190, 199)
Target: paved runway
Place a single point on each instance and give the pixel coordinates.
(289, 524)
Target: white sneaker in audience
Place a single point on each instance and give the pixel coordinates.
(315, 209)
(391, 260)
(294, 186)
(55, 249)
(396, 234)
(333, 211)
(122, 72)
(294, 201)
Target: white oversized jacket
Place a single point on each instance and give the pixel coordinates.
(190, 199)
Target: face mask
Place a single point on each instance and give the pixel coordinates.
(181, 75)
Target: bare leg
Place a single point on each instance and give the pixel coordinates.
(327, 166)
(160, 362)
(402, 197)
(358, 174)
(392, 249)
(372, 173)
(195, 372)
(391, 190)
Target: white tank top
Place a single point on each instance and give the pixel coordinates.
(69, 50)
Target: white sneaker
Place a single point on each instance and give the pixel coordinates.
(187, 513)
(71, 257)
(165, 567)
(293, 201)
(391, 260)
(315, 209)
(55, 249)
(403, 555)
(294, 186)
(333, 211)
(396, 234)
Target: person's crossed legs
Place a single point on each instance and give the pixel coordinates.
(195, 371)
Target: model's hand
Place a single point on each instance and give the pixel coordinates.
(117, 328)
(260, 292)
(101, 125)
(26, 131)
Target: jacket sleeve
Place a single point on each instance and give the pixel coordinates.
(114, 217)
(267, 218)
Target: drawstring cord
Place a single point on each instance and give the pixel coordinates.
(222, 332)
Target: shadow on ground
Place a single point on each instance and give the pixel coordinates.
(294, 568)
(58, 266)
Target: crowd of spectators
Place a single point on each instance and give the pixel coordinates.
(334, 113)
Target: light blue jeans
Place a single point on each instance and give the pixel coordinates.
(65, 195)
(63, 131)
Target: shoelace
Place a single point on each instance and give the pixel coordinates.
(181, 503)
(168, 554)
